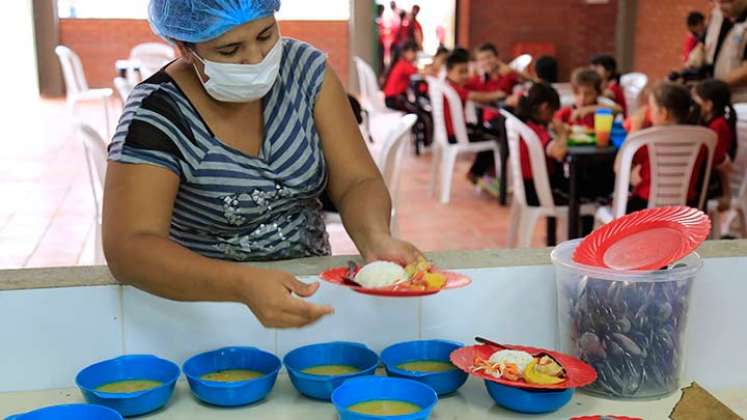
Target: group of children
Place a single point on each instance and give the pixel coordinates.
(534, 100)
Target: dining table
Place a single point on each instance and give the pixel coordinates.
(581, 158)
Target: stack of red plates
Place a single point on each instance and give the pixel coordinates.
(645, 240)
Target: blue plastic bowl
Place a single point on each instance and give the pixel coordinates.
(145, 367)
(335, 353)
(528, 401)
(69, 412)
(370, 388)
(232, 394)
(410, 351)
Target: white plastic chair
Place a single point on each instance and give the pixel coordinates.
(444, 153)
(738, 182)
(672, 154)
(520, 63)
(565, 91)
(76, 86)
(148, 58)
(124, 88)
(372, 98)
(632, 85)
(524, 217)
(96, 156)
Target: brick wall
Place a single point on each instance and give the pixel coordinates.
(577, 30)
(660, 33)
(100, 42)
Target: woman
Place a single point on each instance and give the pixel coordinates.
(221, 157)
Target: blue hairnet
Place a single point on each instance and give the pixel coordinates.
(202, 20)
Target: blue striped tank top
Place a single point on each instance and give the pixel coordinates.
(230, 205)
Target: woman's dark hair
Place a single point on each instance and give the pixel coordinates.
(488, 47)
(719, 93)
(677, 100)
(546, 68)
(695, 18)
(458, 56)
(607, 62)
(538, 94)
(587, 77)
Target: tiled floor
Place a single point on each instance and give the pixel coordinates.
(47, 210)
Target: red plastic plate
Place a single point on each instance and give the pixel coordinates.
(337, 276)
(645, 240)
(578, 373)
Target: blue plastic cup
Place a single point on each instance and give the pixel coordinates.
(443, 383)
(528, 401)
(232, 394)
(336, 353)
(130, 367)
(372, 388)
(69, 412)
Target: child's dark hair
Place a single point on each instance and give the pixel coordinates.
(677, 100)
(458, 56)
(442, 50)
(538, 94)
(607, 62)
(719, 93)
(410, 45)
(695, 18)
(488, 47)
(587, 77)
(546, 68)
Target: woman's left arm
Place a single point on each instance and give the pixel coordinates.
(356, 186)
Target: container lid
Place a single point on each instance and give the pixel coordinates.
(645, 240)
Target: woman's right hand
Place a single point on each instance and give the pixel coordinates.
(271, 298)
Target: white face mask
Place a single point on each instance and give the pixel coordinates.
(242, 82)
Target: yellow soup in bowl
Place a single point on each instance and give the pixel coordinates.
(128, 386)
(331, 370)
(384, 408)
(232, 375)
(428, 366)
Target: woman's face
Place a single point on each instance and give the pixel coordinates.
(245, 44)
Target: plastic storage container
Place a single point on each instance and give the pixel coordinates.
(629, 325)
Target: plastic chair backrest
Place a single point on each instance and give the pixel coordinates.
(123, 87)
(517, 132)
(520, 63)
(390, 156)
(370, 92)
(151, 56)
(565, 91)
(96, 156)
(632, 85)
(72, 70)
(438, 91)
(672, 153)
(738, 174)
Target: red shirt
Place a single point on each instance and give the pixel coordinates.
(690, 43)
(463, 96)
(504, 83)
(545, 139)
(619, 98)
(564, 115)
(399, 78)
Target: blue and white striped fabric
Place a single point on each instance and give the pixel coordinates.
(231, 205)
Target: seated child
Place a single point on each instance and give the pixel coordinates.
(398, 79)
(606, 67)
(587, 88)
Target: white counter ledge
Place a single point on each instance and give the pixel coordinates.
(284, 403)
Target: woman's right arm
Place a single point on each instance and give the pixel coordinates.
(138, 202)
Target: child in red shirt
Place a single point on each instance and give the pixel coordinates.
(606, 67)
(669, 104)
(395, 88)
(587, 87)
(717, 113)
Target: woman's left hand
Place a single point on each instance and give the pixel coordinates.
(386, 248)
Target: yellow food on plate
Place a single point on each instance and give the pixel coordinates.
(532, 376)
(232, 375)
(427, 366)
(385, 408)
(331, 370)
(128, 386)
(435, 280)
(420, 265)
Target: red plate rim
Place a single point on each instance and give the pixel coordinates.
(693, 224)
(336, 276)
(579, 374)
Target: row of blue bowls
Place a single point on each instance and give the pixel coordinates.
(420, 388)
